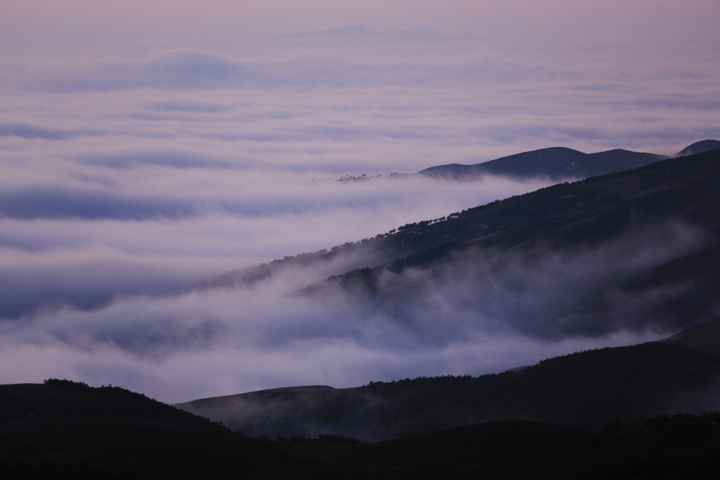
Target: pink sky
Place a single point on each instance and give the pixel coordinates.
(88, 23)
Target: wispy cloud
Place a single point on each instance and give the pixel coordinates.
(475, 318)
(28, 131)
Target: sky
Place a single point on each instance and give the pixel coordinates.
(149, 146)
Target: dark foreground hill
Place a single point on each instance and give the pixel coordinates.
(705, 336)
(64, 429)
(629, 384)
(78, 432)
(668, 447)
(100, 448)
(66, 399)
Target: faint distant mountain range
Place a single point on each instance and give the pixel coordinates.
(355, 32)
(559, 163)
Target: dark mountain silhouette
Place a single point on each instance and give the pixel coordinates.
(554, 163)
(582, 216)
(112, 445)
(67, 399)
(503, 219)
(678, 447)
(560, 163)
(629, 384)
(705, 336)
(699, 147)
(64, 429)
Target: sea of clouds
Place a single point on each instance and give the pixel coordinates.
(129, 179)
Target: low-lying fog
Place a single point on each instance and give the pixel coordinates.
(129, 178)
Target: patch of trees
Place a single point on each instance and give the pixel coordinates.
(67, 384)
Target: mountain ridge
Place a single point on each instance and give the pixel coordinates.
(564, 214)
(635, 209)
(560, 163)
(66, 429)
(571, 217)
(101, 448)
(629, 384)
(252, 275)
(555, 163)
(699, 147)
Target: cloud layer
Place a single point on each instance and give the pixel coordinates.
(129, 178)
(473, 317)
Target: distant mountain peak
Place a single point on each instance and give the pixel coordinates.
(699, 147)
(556, 163)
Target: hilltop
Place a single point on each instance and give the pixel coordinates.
(559, 163)
(596, 387)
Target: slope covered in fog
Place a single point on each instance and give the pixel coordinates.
(619, 251)
(147, 150)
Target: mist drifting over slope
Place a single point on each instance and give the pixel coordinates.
(132, 172)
